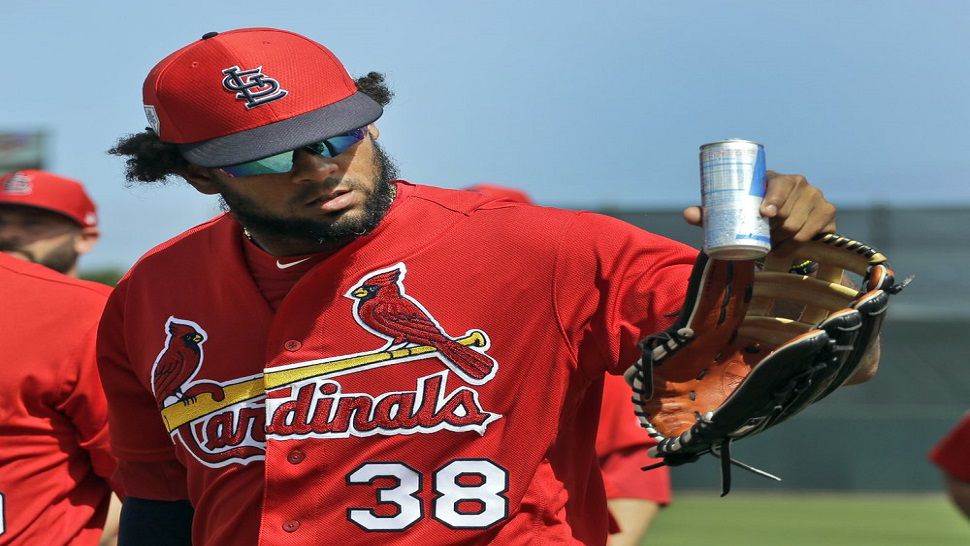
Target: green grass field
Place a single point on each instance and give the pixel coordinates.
(748, 519)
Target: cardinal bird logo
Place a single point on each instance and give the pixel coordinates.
(383, 308)
(179, 361)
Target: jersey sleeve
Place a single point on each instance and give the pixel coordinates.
(84, 404)
(616, 284)
(952, 453)
(147, 465)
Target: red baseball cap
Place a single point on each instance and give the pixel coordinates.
(250, 93)
(48, 191)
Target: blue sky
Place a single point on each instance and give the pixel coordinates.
(581, 104)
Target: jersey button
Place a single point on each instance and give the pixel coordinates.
(296, 456)
(291, 526)
(292, 345)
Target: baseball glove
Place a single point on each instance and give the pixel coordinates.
(755, 343)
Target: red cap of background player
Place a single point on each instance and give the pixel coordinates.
(250, 93)
(44, 190)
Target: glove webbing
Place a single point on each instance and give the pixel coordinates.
(723, 453)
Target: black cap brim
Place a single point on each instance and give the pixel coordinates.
(345, 115)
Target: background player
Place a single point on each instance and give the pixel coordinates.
(952, 455)
(54, 446)
(50, 220)
(633, 495)
(47, 219)
(341, 358)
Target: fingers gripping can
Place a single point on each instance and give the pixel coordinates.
(733, 178)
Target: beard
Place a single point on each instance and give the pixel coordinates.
(327, 234)
(60, 258)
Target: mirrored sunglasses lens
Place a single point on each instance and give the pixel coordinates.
(283, 163)
(275, 164)
(339, 144)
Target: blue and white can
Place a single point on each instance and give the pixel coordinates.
(733, 178)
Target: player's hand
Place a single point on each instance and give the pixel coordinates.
(797, 210)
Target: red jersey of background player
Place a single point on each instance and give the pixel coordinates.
(54, 450)
(621, 445)
(952, 453)
(320, 422)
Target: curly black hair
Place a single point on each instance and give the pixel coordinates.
(374, 86)
(151, 160)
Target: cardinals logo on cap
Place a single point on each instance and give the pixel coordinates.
(18, 183)
(252, 86)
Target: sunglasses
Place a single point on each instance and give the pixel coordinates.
(283, 163)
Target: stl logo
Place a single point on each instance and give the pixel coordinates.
(252, 86)
(18, 183)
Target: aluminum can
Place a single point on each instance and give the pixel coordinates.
(733, 178)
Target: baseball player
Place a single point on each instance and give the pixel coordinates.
(54, 448)
(633, 496)
(347, 357)
(47, 219)
(952, 455)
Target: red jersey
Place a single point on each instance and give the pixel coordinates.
(437, 381)
(54, 451)
(952, 453)
(621, 445)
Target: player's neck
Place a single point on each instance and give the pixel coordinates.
(288, 246)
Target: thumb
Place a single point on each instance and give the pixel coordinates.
(693, 215)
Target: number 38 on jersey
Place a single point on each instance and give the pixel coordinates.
(466, 493)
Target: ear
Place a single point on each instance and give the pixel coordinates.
(374, 131)
(85, 239)
(201, 178)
